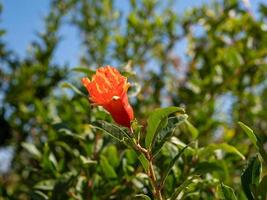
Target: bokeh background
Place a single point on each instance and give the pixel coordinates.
(206, 56)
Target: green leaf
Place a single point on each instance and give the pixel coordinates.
(171, 165)
(251, 176)
(255, 140)
(74, 88)
(228, 192)
(69, 133)
(166, 133)
(223, 146)
(183, 186)
(131, 156)
(112, 155)
(156, 121)
(249, 133)
(48, 162)
(107, 168)
(191, 129)
(53, 160)
(32, 149)
(142, 196)
(111, 129)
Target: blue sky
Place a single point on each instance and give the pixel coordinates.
(22, 19)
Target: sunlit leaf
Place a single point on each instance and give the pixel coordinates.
(87, 161)
(255, 140)
(45, 185)
(249, 133)
(53, 160)
(69, 133)
(31, 148)
(38, 195)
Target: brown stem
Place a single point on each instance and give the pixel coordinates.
(143, 151)
(151, 172)
(156, 188)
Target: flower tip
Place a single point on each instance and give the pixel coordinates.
(85, 81)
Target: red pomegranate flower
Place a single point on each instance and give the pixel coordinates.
(108, 88)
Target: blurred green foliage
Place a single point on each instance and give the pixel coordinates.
(45, 116)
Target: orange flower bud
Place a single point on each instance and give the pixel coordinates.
(108, 88)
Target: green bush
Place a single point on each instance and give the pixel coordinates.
(190, 138)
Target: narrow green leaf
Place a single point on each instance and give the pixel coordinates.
(47, 185)
(107, 168)
(255, 140)
(143, 161)
(249, 133)
(84, 70)
(228, 192)
(171, 165)
(38, 195)
(87, 161)
(194, 132)
(53, 160)
(32, 149)
(156, 121)
(74, 88)
(142, 196)
(183, 186)
(111, 129)
(251, 176)
(223, 146)
(69, 133)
